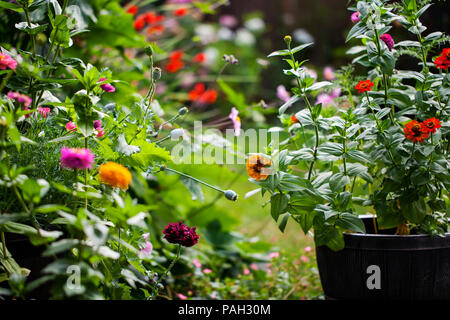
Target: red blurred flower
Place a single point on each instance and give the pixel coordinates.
(199, 57)
(176, 55)
(443, 61)
(202, 96)
(179, 233)
(415, 131)
(139, 23)
(364, 86)
(174, 65)
(156, 29)
(432, 125)
(132, 9)
(197, 92)
(180, 12)
(151, 17)
(294, 119)
(209, 97)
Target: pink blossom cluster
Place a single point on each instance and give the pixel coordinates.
(7, 62)
(76, 158)
(20, 98)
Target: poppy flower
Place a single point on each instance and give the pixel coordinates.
(364, 86)
(132, 9)
(139, 23)
(432, 124)
(180, 12)
(179, 233)
(176, 55)
(415, 131)
(199, 57)
(258, 167)
(201, 95)
(174, 65)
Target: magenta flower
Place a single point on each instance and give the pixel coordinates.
(179, 233)
(100, 133)
(20, 98)
(236, 121)
(246, 271)
(44, 111)
(355, 17)
(387, 39)
(328, 73)
(106, 86)
(147, 250)
(304, 258)
(70, 126)
(76, 158)
(325, 98)
(207, 271)
(283, 94)
(97, 124)
(7, 62)
(274, 255)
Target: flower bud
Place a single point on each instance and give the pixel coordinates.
(288, 39)
(176, 134)
(149, 51)
(41, 38)
(231, 195)
(226, 58)
(234, 60)
(162, 167)
(156, 73)
(182, 111)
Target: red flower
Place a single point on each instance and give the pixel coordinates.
(364, 86)
(294, 119)
(151, 17)
(415, 131)
(139, 23)
(176, 55)
(202, 96)
(179, 233)
(443, 61)
(199, 58)
(174, 65)
(132, 9)
(180, 12)
(432, 124)
(156, 29)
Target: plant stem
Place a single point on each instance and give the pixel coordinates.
(5, 253)
(33, 40)
(195, 179)
(169, 268)
(86, 177)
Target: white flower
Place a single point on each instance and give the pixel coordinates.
(225, 34)
(245, 37)
(303, 36)
(255, 24)
(211, 54)
(176, 134)
(206, 33)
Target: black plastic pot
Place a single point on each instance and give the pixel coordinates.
(383, 266)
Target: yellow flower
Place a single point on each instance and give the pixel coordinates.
(115, 175)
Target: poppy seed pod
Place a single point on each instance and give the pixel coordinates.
(231, 195)
(149, 51)
(182, 111)
(156, 73)
(176, 134)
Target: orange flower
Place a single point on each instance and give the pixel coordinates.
(174, 65)
(432, 124)
(132, 9)
(294, 119)
(415, 131)
(258, 167)
(364, 86)
(155, 29)
(115, 175)
(199, 58)
(180, 12)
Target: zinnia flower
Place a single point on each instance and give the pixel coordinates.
(139, 23)
(236, 121)
(76, 158)
(364, 86)
(70, 126)
(106, 86)
(174, 65)
(293, 119)
(115, 175)
(258, 167)
(7, 62)
(387, 39)
(355, 17)
(44, 111)
(97, 124)
(415, 131)
(179, 233)
(432, 124)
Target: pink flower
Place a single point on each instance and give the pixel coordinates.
(181, 296)
(76, 158)
(283, 94)
(100, 133)
(246, 272)
(106, 86)
(328, 73)
(304, 258)
(355, 17)
(44, 111)
(70, 126)
(147, 250)
(97, 124)
(274, 255)
(213, 296)
(227, 20)
(387, 39)
(326, 99)
(308, 249)
(20, 98)
(253, 266)
(236, 121)
(207, 271)
(7, 62)
(197, 263)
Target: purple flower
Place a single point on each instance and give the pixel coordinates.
(179, 233)
(236, 121)
(106, 86)
(97, 124)
(355, 17)
(325, 98)
(387, 39)
(76, 158)
(20, 98)
(7, 62)
(283, 94)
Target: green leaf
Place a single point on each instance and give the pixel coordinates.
(33, 29)
(279, 202)
(194, 188)
(338, 181)
(357, 30)
(318, 85)
(286, 52)
(12, 6)
(283, 222)
(351, 222)
(289, 103)
(413, 211)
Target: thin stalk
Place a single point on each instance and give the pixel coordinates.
(5, 253)
(33, 39)
(86, 177)
(195, 179)
(169, 268)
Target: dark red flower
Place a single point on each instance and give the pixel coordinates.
(179, 233)
(132, 9)
(364, 86)
(415, 131)
(432, 124)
